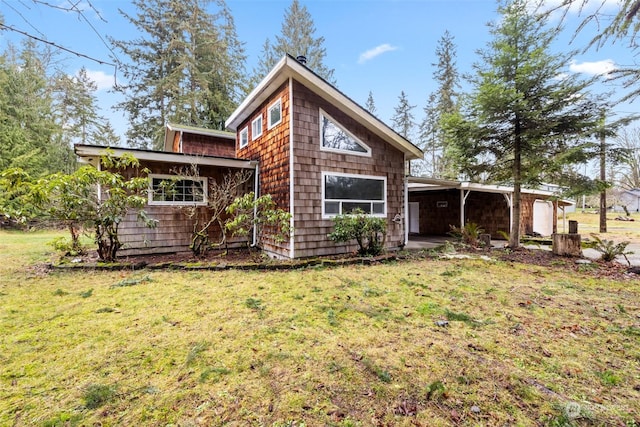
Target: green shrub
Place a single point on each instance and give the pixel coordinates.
(469, 234)
(610, 250)
(368, 231)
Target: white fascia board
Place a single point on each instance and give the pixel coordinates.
(89, 152)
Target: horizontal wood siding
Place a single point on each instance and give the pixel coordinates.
(175, 226)
(208, 145)
(311, 229)
(271, 150)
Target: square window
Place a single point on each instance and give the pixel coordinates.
(244, 137)
(256, 127)
(274, 114)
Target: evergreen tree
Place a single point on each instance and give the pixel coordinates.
(28, 131)
(76, 106)
(370, 105)
(186, 67)
(440, 103)
(518, 127)
(428, 137)
(403, 120)
(297, 37)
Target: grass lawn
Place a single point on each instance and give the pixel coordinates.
(428, 342)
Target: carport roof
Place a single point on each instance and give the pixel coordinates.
(433, 184)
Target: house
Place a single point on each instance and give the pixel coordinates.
(316, 151)
(318, 154)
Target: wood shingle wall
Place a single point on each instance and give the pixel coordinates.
(175, 226)
(271, 150)
(208, 145)
(311, 229)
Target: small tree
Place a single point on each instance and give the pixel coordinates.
(248, 213)
(368, 231)
(221, 195)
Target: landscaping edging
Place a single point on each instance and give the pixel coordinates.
(274, 266)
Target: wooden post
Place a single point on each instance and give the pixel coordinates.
(573, 227)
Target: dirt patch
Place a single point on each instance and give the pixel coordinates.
(254, 259)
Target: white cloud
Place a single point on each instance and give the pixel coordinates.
(102, 80)
(601, 68)
(376, 51)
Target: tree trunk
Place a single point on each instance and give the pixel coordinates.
(603, 178)
(514, 236)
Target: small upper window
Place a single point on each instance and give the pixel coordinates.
(256, 127)
(244, 137)
(274, 114)
(335, 138)
(173, 190)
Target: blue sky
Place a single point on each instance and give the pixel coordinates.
(382, 46)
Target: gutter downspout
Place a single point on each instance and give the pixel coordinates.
(406, 207)
(256, 187)
(292, 198)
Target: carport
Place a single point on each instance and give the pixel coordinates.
(435, 205)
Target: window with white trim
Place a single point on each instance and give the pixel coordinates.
(334, 137)
(274, 114)
(256, 127)
(244, 137)
(342, 194)
(173, 190)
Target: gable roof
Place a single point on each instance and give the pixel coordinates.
(289, 67)
(171, 129)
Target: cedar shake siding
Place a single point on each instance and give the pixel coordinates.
(174, 228)
(311, 229)
(208, 145)
(440, 209)
(271, 150)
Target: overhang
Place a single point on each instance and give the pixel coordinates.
(92, 154)
(433, 184)
(289, 67)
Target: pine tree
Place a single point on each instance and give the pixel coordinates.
(440, 103)
(186, 67)
(370, 105)
(403, 120)
(297, 37)
(429, 142)
(28, 131)
(518, 127)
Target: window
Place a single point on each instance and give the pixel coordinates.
(244, 137)
(172, 190)
(274, 114)
(256, 127)
(336, 138)
(341, 194)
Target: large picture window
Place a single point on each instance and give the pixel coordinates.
(342, 194)
(172, 190)
(335, 138)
